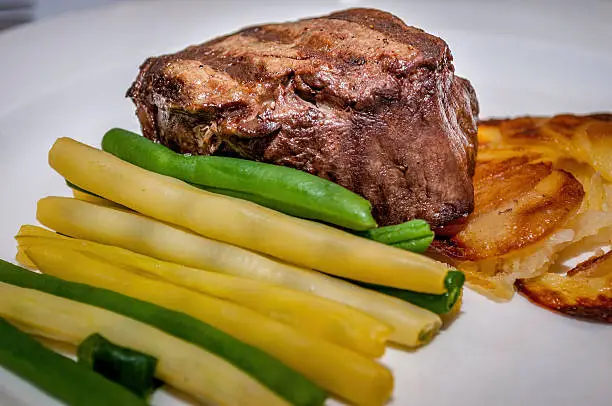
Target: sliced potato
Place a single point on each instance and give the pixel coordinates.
(540, 200)
(586, 290)
(585, 138)
(529, 210)
(520, 222)
(494, 277)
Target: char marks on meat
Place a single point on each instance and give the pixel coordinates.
(356, 97)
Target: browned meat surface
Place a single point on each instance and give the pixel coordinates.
(356, 97)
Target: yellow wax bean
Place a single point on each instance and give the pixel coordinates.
(327, 319)
(242, 223)
(180, 363)
(340, 371)
(412, 324)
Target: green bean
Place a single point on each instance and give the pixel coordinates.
(131, 369)
(287, 383)
(271, 203)
(75, 187)
(418, 245)
(414, 235)
(423, 236)
(439, 304)
(261, 200)
(288, 190)
(59, 377)
(410, 230)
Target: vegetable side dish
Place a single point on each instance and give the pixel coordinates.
(142, 264)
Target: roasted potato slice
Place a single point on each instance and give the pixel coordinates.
(586, 290)
(518, 208)
(586, 138)
(593, 224)
(542, 195)
(519, 223)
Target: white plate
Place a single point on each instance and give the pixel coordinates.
(68, 77)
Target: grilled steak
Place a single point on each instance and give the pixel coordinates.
(356, 97)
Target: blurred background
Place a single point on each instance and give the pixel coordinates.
(15, 12)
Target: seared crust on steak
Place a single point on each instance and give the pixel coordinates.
(356, 97)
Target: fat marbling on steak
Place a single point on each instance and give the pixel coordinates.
(356, 97)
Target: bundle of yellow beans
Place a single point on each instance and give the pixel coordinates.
(244, 269)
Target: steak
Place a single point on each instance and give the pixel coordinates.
(356, 97)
